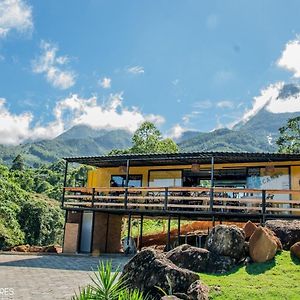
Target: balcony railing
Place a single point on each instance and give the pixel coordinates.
(184, 199)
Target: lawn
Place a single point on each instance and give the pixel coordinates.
(276, 279)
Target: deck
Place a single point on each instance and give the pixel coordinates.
(188, 202)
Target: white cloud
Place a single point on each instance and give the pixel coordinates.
(176, 131)
(105, 82)
(136, 70)
(73, 110)
(50, 64)
(15, 15)
(289, 59)
(225, 104)
(271, 100)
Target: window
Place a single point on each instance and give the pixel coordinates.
(165, 178)
(120, 181)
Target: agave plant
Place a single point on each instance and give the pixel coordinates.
(108, 285)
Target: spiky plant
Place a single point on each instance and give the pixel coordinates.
(108, 285)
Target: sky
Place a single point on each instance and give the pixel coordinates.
(184, 65)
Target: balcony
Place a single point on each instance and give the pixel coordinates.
(222, 203)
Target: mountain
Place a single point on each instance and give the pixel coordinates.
(258, 130)
(80, 140)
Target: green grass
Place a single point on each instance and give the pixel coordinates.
(150, 226)
(276, 279)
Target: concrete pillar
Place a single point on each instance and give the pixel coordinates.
(71, 235)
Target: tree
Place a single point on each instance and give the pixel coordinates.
(289, 139)
(148, 139)
(18, 163)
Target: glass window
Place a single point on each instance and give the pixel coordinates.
(165, 178)
(120, 181)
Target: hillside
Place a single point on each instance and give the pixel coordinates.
(27, 216)
(78, 141)
(259, 131)
(256, 135)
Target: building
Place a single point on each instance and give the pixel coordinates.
(194, 186)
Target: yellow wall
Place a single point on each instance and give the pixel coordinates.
(101, 177)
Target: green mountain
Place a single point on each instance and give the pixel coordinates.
(256, 135)
(258, 132)
(80, 140)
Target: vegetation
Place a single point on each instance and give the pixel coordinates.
(148, 139)
(275, 279)
(108, 285)
(289, 139)
(26, 217)
(29, 210)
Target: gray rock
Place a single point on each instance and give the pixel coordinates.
(227, 241)
(198, 291)
(287, 231)
(188, 257)
(148, 270)
(220, 263)
(200, 260)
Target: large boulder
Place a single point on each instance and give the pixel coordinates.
(227, 240)
(249, 229)
(220, 264)
(295, 249)
(200, 259)
(188, 257)
(148, 270)
(287, 231)
(262, 245)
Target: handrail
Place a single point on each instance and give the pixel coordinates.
(182, 189)
(166, 199)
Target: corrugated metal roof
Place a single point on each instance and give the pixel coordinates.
(163, 159)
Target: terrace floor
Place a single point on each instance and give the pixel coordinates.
(48, 276)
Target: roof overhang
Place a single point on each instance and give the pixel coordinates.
(184, 158)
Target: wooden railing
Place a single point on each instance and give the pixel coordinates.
(184, 199)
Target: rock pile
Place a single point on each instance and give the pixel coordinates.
(175, 272)
(287, 231)
(150, 272)
(37, 249)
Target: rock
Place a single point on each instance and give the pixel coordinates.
(277, 240)
(52, 249)
(129, 246)
(249, 228)
(200, 260)
(35, 249)
(198, 291)
(21, 248)
(188, 257)
(262, 245)
(171, 297)
(295, 249)
(220, 264)
(287, 231)
(148, 270)
(182, 296)
(227, 241)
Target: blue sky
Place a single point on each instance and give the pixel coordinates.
(182, 64)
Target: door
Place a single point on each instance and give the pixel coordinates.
(86, 232)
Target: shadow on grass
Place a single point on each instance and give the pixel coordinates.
(260, 268)
(295, 259)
